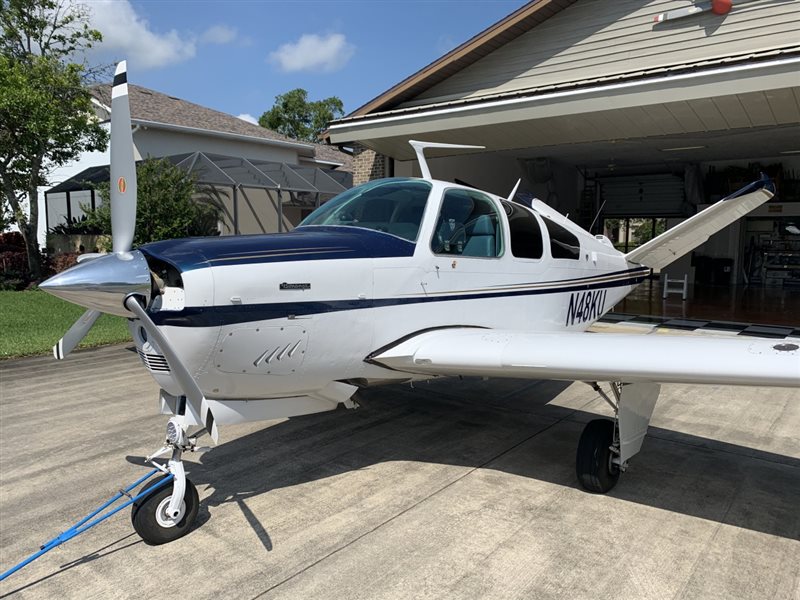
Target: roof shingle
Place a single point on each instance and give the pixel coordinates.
(153, 106)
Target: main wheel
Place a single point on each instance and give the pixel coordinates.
(596, 472)
(149, 514)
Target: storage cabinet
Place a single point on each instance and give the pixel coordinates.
(781, 268)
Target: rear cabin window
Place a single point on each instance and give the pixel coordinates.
(563, 243)
(468, 225)
(526, 233)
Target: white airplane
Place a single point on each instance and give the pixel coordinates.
(396, 280)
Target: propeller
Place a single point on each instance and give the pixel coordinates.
(114, 283)
(123, 165)
(75, 333)
(123, 200)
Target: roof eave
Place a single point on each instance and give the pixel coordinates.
(745, 61)
(310, 148)
(465, 54)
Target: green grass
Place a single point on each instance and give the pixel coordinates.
(31, 322)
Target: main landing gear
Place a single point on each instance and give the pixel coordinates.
(606, 445)
(169, 511)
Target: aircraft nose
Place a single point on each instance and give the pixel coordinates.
(103, 283)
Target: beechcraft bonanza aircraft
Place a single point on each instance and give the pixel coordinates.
(394, 280)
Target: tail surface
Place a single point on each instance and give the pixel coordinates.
(685, 237)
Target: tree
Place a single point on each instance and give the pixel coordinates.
(46, 117)
(294, 116)
(6, 217)
(167, 206)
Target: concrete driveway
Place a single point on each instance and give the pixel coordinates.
(454, 489)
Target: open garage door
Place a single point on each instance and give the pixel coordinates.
(642, 196)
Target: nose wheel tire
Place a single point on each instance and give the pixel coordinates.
(151, 520)
(596, 473)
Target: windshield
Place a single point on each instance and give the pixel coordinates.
(393, 206)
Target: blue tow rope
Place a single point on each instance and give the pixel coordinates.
(87, 523)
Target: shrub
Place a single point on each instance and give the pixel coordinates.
(14, 261)
(12, 241)
(167, 206)
(63, 261)
(12, 282)
(75, 226)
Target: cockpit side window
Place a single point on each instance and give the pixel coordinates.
(563, 243)
(468, 225)
(526, 233)
(393, 206)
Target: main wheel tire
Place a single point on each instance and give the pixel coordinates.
(149, 514)
(596, 473)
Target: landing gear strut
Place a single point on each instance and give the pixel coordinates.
(169, 511)
(606, 445)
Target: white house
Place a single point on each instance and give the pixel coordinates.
(166, 126)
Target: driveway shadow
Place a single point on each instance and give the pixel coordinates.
(508, 426)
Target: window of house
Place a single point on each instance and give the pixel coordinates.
(526, 233)
(468, 225)
(563, 243)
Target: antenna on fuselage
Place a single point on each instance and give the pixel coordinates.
(514, 191)
(419, 148)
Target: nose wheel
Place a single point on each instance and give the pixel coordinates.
(152, 519)
(167, 513)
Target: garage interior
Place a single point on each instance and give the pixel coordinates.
(633, 189)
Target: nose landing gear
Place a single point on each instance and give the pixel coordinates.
(168, 512)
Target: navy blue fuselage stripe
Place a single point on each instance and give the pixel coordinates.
(217, 316)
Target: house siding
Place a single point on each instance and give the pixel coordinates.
(604, 38)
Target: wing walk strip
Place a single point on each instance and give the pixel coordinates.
(702, 325)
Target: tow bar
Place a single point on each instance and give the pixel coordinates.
(90, 521)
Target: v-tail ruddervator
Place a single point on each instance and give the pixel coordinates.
(396, 280)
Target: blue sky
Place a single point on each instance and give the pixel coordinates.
(236, 56)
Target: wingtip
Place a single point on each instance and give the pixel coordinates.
(122, 67)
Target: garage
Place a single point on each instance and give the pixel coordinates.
(629, 117)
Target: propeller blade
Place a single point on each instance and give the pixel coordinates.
(189, 386)
(123, 165)
(75, 334)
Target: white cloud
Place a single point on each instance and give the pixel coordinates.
(314, 52)
(219, 34)
(248, 117)
(126, 35)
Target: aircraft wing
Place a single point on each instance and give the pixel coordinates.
(574, 356)
(688, 235)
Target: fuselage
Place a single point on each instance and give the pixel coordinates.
(284, 315)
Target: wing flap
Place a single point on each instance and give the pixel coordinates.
(575, 356)
(688, 235)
